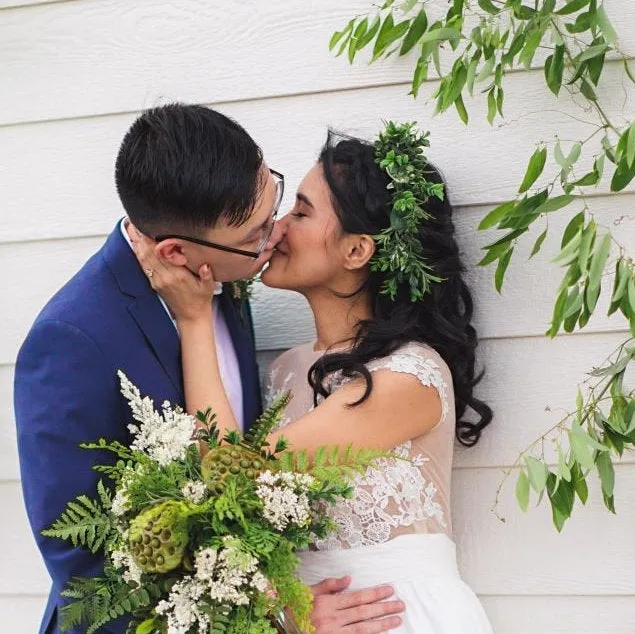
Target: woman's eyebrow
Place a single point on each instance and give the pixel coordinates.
(304, 199)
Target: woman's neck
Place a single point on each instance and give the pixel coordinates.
(336, 318)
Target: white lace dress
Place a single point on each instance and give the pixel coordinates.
(396, 529)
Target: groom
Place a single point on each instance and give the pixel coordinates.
(195, 178)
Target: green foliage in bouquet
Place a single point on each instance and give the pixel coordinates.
(201, 532)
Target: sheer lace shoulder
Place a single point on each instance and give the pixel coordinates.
(420, 361)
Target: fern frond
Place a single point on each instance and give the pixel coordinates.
(104, 496)
(90, 597)
(331, 463)
(125, 453)
(84, 522)
(256, 437)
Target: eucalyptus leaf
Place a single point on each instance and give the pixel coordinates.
(620, 285)
(561, 496)
(497, 214)
(529, 50)
(460, 108)
(573, 228)
(534, 169)
(416, 30)
(579, 483)
(522, 490)
(488, 6)
(486, 69)
(558, 313)
(440, 34)
(501, 268)
(593, 51)
(580, 447)
(553, 204)
(554, 68)
(538, 244)
(491, 106)
(588, 238)
(600, 255)
(537, 473)
(630, 146)
(605, 25)
(604, 465)
(572, 6)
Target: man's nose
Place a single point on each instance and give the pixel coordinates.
(279, 229)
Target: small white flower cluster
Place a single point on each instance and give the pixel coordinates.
(124, 559)
(182, 609)
(284, 498)
(194, 491)
(120, 503)
(163, 438)
(225, 576)
(231, 574)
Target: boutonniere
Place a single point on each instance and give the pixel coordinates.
(241, 292)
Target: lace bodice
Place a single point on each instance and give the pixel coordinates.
(395, 497)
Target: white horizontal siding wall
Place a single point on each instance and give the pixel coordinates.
(73, 75)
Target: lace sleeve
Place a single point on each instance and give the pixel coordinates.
(427, 370)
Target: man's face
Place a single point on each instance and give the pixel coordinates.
(228, 267)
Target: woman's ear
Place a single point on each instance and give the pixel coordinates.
(360, 248)
(172, 251)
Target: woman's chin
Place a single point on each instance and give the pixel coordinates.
(273, 276)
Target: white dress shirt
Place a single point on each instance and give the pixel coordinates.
(227, 359)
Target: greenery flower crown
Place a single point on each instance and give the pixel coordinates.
(399, 150)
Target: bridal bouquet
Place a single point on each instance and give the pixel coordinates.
(202, 544)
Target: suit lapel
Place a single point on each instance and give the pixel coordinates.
(161, 334)
(145, 306)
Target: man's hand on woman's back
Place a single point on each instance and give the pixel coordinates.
(360, 612)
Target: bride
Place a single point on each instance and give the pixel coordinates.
(370, 244)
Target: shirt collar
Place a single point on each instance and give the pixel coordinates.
(218, 286)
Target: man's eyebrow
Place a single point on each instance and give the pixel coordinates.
(304, 199)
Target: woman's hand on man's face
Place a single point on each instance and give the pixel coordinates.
(188, 295)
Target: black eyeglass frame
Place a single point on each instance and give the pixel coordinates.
(221, 247)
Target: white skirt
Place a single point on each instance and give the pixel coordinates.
(423, 572)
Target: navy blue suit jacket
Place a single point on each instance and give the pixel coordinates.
(105, 318)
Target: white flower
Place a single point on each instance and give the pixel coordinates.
(284, 498)
(181, 608)
(124, 559)
(194, 491)
(163, 438)
(260, 582)
(204, 563)
(120, 503)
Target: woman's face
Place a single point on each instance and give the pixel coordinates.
(310, 254)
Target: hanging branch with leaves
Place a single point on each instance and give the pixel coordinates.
(474, 46)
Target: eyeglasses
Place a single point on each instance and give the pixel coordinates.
(268, 230)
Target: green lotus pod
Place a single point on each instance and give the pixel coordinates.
(221, 462)
(158, 536)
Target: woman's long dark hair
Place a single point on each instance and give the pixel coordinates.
(442, 319)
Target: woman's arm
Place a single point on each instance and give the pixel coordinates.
(202, 380)
(399, 408)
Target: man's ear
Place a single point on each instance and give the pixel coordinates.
(172, 251)
(359, 249)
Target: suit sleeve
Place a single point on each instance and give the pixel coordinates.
(65, 393)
